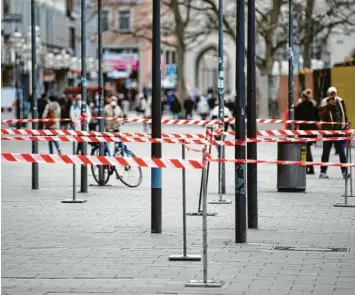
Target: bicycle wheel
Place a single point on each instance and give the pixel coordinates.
(130, 176)
(95, 168)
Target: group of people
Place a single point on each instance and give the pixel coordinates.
(71, 108)
(331, 109)
(205, 106)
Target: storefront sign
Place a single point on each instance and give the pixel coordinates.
(122, 61)
(121, 2)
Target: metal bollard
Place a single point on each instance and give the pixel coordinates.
(347, 181)
(204, 171)
(205, 282)
(74, 199)
(184, 257)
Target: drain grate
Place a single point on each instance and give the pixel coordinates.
(309, 249)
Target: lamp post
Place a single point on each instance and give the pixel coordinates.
(34, 34)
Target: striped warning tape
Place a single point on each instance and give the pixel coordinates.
(143, 162)
(174, 121)
(97, 139)
(62, 132)
(279, 162)
(100, 160)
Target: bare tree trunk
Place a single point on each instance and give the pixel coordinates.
(181, 89)
(180, 48)
(308, 37)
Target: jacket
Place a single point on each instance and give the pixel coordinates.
(326, 113)
(75, 113)
(55, 107)
(307, 110)
(112, 112)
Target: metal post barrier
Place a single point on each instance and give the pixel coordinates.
(84, 168)
(347, 181)
(184, 257)
(221, 153)
(199, 210)
(34, 72)
(205, 282)
(74, 200)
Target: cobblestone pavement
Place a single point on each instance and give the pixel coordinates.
(105, 245)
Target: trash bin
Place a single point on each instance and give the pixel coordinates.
(291, 178)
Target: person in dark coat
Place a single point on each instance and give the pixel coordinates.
(307, 110)
(175, 107)
(188, 106)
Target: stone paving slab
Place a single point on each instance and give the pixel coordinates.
(105, 246)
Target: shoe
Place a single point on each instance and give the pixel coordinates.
(310, 171)
(59, 152)
(323, 175)
(346, 175)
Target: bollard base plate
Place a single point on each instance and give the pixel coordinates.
(185, 258)
(100, 185)
(220, 202)
(344, 205)
(343, 196)
(200, 214)
(204, 284)
(71, 201)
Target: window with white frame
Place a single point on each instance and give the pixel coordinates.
(124, 16)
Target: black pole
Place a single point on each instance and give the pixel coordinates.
(101, 88)
(252, 172)
(240, 199)
(35, 181)
(84, 169)
(290, 65)
(156, 197)
(17, 87)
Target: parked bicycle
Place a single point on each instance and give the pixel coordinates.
(128, 175)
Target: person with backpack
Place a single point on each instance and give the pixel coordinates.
(52, 111)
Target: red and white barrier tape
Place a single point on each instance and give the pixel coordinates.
(279, 162)
(66, 138)
(62, 132)
(123, 139)
(174, 121)
(143, 162)
(100, 160)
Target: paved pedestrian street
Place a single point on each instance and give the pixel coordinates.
(104, 246)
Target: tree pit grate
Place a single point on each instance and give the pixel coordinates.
(310, 249)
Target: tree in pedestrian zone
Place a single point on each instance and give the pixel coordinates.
(318, 19)
(181, 28)
(271, 30)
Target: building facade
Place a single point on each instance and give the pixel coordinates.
(55, 36)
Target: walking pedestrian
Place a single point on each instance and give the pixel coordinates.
(145, 109)
(307, 110)
(188, 106)
(52, 111)
(75, 116)
(332, 109)
(203, 109)
(113, 110)
(175, 107)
